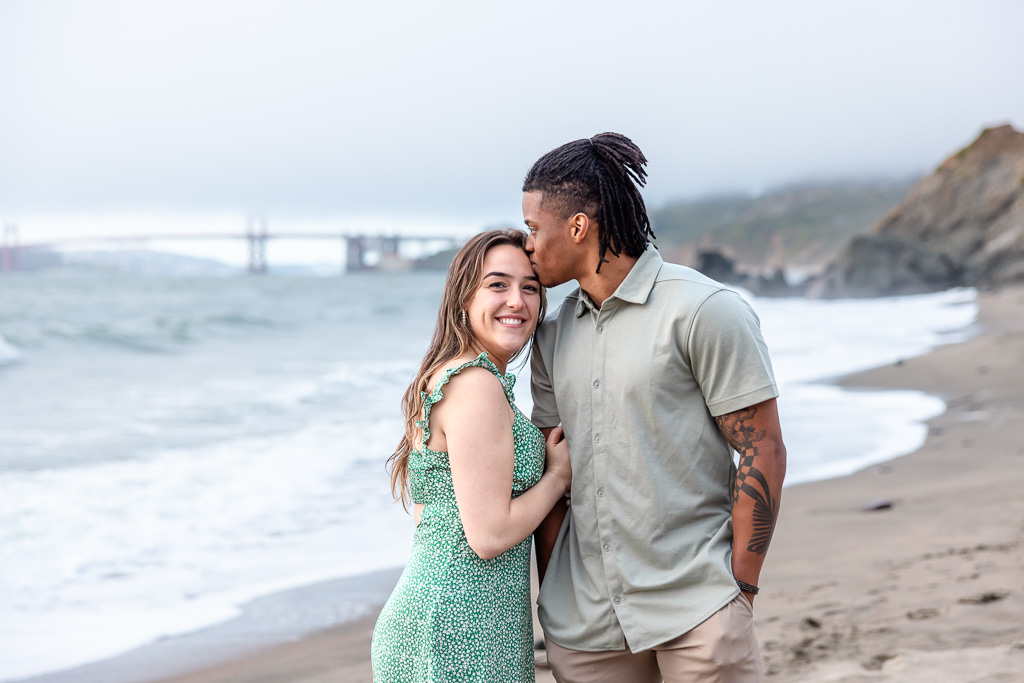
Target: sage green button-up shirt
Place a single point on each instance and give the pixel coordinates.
(644, 554)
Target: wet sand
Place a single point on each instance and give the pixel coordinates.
(341, 654)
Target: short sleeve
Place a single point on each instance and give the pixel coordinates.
(728, 354)
(545, 409)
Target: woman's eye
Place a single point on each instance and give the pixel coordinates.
(531, 288)
(496, 285)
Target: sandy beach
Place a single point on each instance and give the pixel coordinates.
(927, 587)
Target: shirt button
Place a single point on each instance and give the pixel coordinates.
(597, 438)
(600, 493)
(607, 547)
(617, 599)
(597, 383)
(600, 329)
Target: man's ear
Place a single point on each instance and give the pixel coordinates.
(579, 226)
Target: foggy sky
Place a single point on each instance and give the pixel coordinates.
(436, 110)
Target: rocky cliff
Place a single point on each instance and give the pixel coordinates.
(961, 225)
(796, 226)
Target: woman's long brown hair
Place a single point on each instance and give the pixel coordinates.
(452, 338)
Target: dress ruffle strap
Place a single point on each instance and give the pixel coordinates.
(482, 361)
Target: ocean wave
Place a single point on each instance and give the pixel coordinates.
(145, 333)
(239, 320)
(149, 314)
(266, 512)
(8, 352)
(111, 336)
(372, 383)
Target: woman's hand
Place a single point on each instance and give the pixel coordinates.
(558, 462)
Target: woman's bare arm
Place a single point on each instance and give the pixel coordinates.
(477, 427)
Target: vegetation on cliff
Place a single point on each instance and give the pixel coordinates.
(796, 226)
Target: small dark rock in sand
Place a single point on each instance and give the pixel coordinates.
(812, 622)
(879, 504)
(984, 598)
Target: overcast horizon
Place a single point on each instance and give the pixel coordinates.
(143, 116)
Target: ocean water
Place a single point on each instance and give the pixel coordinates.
(172, 448)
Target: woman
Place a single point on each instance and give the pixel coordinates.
(475, 468)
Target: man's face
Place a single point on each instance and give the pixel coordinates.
(550, 244)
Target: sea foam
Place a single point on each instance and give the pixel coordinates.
(8, 353)
(832, 432)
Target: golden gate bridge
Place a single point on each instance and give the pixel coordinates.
(358, 247)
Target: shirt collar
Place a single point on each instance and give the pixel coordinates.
(635, 288)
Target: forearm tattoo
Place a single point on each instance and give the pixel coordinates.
(739, 432)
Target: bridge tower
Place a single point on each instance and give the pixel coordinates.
(354, 252)
(389, 246)
(9, 248)
(257, 236)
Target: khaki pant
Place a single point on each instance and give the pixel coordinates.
(722, 649)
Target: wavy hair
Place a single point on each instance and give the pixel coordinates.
(451, 339)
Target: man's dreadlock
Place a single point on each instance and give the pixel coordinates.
(601, 177)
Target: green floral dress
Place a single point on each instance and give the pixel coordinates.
(454, 617)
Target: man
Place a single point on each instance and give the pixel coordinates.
(656, 373)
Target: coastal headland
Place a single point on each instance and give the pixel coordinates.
(906, 571)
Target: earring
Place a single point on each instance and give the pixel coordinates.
(463, 318)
